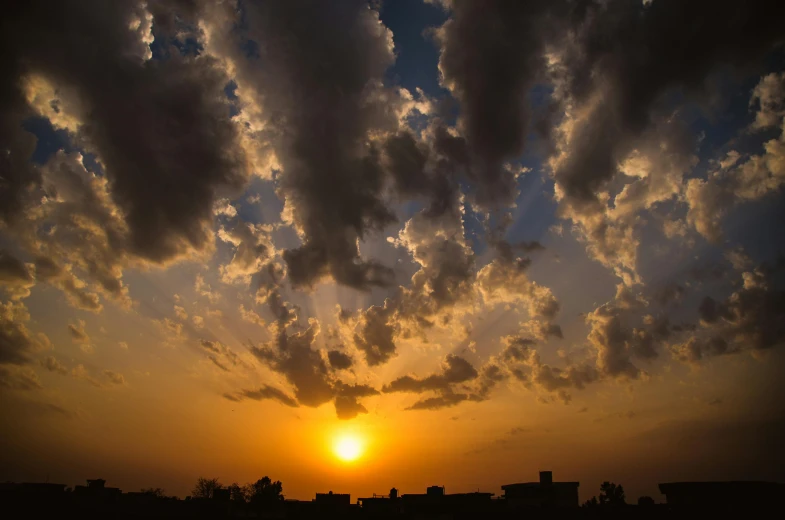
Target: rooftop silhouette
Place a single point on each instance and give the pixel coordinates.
(264, 499)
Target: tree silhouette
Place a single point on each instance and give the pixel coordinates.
(205, 488)
(237, 493)
(265, 492)
(155, 492)
(645, 501)
(592, 502)
(611, 494)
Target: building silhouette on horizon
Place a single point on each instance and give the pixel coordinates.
(534, 500)
(733, 493)
(545, 493)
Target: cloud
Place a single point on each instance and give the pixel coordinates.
(180, 313)
(339, 360)
(520, 359)
(174, 330)
(151, 195)
(264, 392)
(253, 248)
(769, 95)
(292, 356)
(505, 281)
(75, 289)
(182, 92)
(456, 382)
(376, 332)
(741, 179)
(80, 372)
(15, 277)
(17, 343)
(493, 92)
(347, 405)
(19, 378)
(53, 365)
(78, 333)
(455, 370)
(114, 377)
(222, 356)
(747, 320)
(250, 316)
(329, 163)
(445, 400)
(616, 149)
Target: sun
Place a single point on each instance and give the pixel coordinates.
(348, 447)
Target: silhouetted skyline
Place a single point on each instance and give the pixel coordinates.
(264, 498)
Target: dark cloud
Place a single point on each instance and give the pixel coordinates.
(222, 356)
(375, 337)
(318, 77)
(695, 349)
(292, 356)
(749, 319)
(17, 343)
(12, 270)
(264, 392)
(348, 407)
(492, 53)
(446, 400)
(305, 369)
(346, 404)
(15, 277)
(167, 147)
(640, 63)
(218, 363)
(455, 369)
(339, 360)
(161, 156)
(406, 163)
(671, 293)
(456, 382)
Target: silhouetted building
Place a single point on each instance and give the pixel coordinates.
(96, 490)
(436, 502)
(545, 493)
(32, 490)
(381, 504)
(435, 491)
(333, 499)
(719, 494)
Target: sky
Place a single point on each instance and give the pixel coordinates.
(479, 239)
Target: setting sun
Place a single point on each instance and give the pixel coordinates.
(348, 448)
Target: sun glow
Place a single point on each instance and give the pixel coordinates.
(348, 447)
